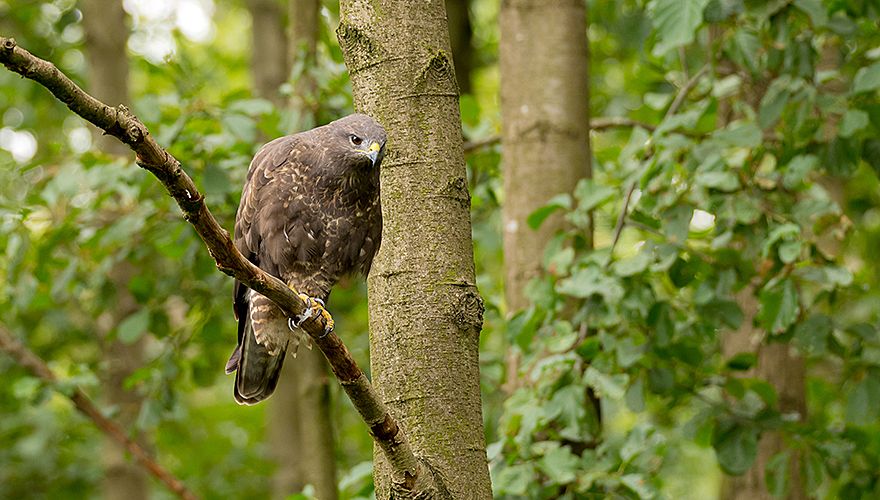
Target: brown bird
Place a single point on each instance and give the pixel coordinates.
(309, 214)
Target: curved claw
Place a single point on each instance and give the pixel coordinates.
(294, 323)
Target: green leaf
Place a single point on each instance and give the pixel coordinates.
(568, 406)
(241, 126)
(871, 153)
(611, 386)
(676, 22)
(590, 281)
(633, 265)
(776, 474)
(742, 361)
(740, 134)
(774, 101)
(638, 485)
(132, 327)
(853, 121)
(558, 202)
(722, 181)
(789, 251)
(736, 448)
(560, 465)
(867, 79)
(779, 307)
(251, 107)
(813, 471)
(861, 406)
(678, 222)
(591, 195)
(814, 9)
(811, 335)
(798, 169)
(514, 479)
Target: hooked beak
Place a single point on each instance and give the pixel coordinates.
(374, 152)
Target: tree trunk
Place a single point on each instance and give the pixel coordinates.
(106, 36)
(299, 416)
(545, 132)
(460, 36)
(545, 125)
(779, 365)
(425, 311)
(269, 65)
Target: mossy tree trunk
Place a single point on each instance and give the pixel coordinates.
(425, 311)
(106, 36)
(299, 416)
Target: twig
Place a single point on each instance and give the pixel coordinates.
(673, 108)
(34, 364)
(618, 228)
(684, 91)
(122, 124)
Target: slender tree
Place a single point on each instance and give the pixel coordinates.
(106, 36)
(545, 131)
(545, 127)
(425, 311)
(300, 430)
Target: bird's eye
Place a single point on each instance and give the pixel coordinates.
(357, 141)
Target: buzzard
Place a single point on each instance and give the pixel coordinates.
(309, 214)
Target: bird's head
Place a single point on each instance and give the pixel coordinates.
(361, 139)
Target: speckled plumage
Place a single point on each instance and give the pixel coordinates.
(309, 214)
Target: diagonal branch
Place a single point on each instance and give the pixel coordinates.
(37, 367)
(121, 123)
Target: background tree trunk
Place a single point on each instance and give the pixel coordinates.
(545, 127)
(299, 423)
(425, 311)
(545, 132)
(460, 36)
(269, 64)
(779, 365)
(299, 417)
(106, 36)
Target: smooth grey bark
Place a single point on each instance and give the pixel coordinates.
(425, 311)
(106, 36)
(299, 416)
(545, 125)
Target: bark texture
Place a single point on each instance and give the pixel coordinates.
(106, 36)
(779, 365)
(425, 311)
(299, 417)
(545, 124)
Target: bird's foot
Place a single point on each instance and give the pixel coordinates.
(314, 307)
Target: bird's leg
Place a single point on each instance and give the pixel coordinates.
(314, 306)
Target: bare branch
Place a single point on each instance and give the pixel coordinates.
(34, 364)
(121, 123)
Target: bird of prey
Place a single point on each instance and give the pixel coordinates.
(309, 214)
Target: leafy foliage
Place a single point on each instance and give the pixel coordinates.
(739, 225)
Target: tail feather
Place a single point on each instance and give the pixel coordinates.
(256, 370)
